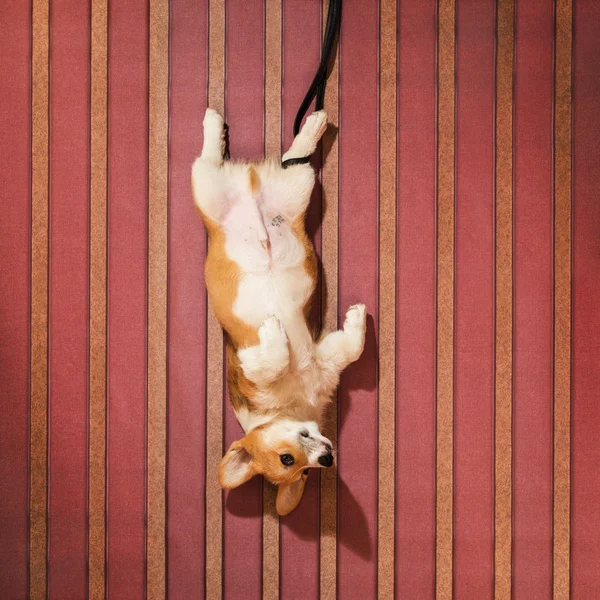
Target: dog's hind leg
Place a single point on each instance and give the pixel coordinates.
(213, 149)
(286, 191)
(208, 183)
(306, 141)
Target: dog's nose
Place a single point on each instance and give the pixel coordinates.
(326, 460)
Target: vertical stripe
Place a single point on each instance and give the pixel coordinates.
(272, 140)
(15, 139)
(158, 170)
(300, 51)
(358, 279)
(329, 258)
(445, 300)
(214, 342)
(503, 317)
(98, 280)
(245, 115)
(562, 300)
(533, 269)
(416, 306)
(473, 568)
(187, 342)
(127, 299)
(585, 558)
(273, 43)
(38, 385)
(68, 298)
(387, 297)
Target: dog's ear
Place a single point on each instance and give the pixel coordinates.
(289, 495)
(236, 466)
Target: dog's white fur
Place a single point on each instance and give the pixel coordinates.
(254, 208)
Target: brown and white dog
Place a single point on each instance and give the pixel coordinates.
(261, 273)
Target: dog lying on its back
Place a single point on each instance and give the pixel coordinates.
(261, 273)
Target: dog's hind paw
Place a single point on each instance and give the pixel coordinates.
(315, 126)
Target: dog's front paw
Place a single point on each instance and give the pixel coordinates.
(356, 317)
(271, 333)
(355, 329)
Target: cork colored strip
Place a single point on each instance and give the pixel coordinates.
(329, 258)
(445, 301)
(39, 303)
(562, 299)
(387, 296)
(98, 207)
(270, 541)
(270, 525)
(157, 295)
(504, 298)
(273, 17)
(214, 363)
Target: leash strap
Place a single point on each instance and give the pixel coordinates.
(317, 87)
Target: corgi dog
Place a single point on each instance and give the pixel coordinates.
(261, 273)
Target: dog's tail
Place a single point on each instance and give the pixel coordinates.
(254, 190)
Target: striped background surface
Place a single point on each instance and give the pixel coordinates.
(458, 198)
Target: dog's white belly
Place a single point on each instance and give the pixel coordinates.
(274, 280)
(282, 293)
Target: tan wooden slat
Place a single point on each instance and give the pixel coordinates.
(387, 297)
(98, 266)
(329, 261)
(270, 539)
(39, 303)
(445, 298)
(158, 166)
(214, 342)
(504, 299)
(562, 300)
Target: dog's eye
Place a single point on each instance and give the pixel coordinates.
(287, 459)
(304, 433)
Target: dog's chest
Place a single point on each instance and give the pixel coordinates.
(274, 280)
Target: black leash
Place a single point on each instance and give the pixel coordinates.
(317, 87)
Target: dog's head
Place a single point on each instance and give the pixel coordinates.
(281, 451)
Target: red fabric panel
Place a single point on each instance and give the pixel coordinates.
(244, 71)
(533, 292)
(127, 272)
(416, 312)
(474, 301)
(68, 295)
(299, 566)
(585, 477)
(358, 282)
(15, 44)
(187, 307)
(245, 109)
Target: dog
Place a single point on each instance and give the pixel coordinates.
(261, 273)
